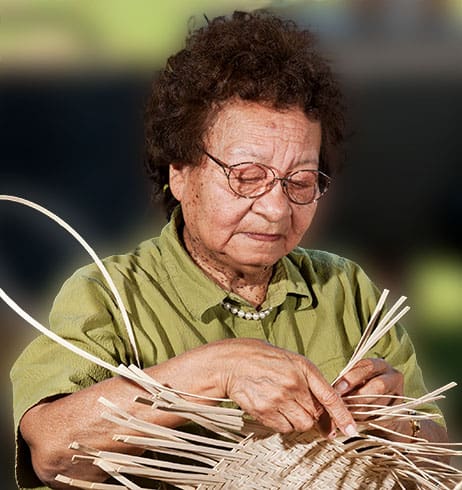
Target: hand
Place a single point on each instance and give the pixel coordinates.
(371, 377)
(282, 390)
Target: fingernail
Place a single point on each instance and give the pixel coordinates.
(350, 430)
(342, 387)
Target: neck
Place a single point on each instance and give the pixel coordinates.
(249, 282)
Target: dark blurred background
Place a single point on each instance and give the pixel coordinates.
(73, 77)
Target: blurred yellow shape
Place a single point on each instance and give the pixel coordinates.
(436, 288)
(112, 32)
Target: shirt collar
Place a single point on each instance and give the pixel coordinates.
(199, 293)
(196, 290)
(287, 280)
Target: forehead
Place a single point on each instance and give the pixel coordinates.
(249, 127)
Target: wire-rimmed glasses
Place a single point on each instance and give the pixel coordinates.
(253, 179)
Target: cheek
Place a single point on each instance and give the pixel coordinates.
(216, 214)
(228, 218)
(302, 219)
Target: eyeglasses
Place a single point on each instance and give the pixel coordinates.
(252, 179)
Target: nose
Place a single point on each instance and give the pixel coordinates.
(274, 205)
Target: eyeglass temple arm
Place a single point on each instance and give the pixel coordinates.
(218, 162)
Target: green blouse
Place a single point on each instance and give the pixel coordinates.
(321, 303)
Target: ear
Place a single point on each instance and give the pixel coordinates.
(178, 179)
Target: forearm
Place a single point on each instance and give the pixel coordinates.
(432, 432)
(51, 426)
(429, 430)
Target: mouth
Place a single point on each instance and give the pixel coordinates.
(264, 237)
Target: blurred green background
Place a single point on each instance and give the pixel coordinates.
(73, 77)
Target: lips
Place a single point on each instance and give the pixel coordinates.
(264, 237)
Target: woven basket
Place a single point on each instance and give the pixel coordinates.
(297, 462)
(252, 458)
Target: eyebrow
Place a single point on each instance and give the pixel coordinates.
(254, 157)
(308, 161)
(258, 159)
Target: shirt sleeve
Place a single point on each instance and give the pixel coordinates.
(83, 313)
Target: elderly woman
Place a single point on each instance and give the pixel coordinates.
(243, 128)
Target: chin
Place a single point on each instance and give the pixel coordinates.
(257, 262)
(256, 258)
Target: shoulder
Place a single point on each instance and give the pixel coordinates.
(87, 288)
(145, 259)
(330, 275)
(322, 263)
(149, 261)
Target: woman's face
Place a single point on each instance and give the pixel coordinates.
(235, 234)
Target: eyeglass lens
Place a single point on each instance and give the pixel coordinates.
(253, 180)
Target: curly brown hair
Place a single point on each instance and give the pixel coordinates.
(252, 56)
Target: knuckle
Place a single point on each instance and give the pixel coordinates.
(380, 386)
(285, 429)
(263, 409)
(289, 380)
(365, 363)
(291, 383)
(277, 397)
(305, 425)
(367, 366)
(329, 398)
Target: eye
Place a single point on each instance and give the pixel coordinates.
(248, 173)
(301, 184)
(303, 179)
(247, 179)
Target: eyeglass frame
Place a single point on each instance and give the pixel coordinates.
(227, 169)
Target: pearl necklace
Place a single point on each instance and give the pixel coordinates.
(258, 315)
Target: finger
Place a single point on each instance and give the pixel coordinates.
(310, 404)
(326, 426)
(360, 373)
(372, 394)
(281, 415)
(300, 419)
(389, 383)
(274, 420)
(332, 403)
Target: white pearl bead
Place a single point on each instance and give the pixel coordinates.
(257, 315)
